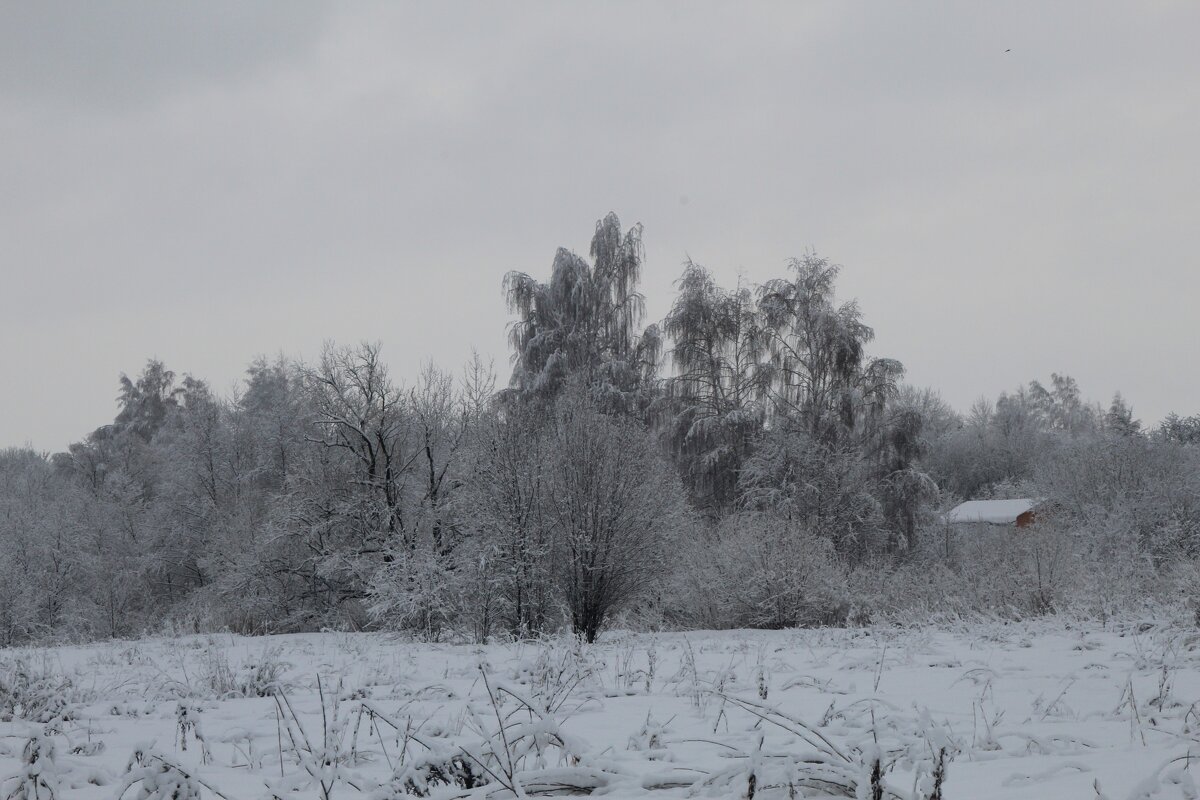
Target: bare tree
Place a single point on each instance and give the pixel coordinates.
(358, 411)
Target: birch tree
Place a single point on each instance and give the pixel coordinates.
(585, 322)
(713, 411)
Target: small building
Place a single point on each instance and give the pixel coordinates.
(1017, 513)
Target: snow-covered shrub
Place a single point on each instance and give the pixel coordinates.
(157, 778)
(1016, 573)
(757, 570)
(562, 666)
(914, 591)
(416, 591)
(187, 722)
(521, 740)
(218, 677)
(32, 694)
(815, 766)
(324, 755)
(520, 744)
(426, 772)
(36, 779)
(256, 677)
(613, 503)
(263, 676)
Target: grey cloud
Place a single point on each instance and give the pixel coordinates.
(372, 170)
(124, 54)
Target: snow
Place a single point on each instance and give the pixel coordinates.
(1035, 710)
(994, 512)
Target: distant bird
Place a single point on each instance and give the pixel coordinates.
(1009, 50)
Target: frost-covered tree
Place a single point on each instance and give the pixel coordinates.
(435, 576)
(1062, 406)
(826, 419)
(146, 402)
(511, 536)
(818, 373)
(1119, 418)
(273, 415)
(441, 419)
(1184, 430)
(325, 494)
(997, 444)
(712, 412)
(1125, 494)
(585, 322)
(45, 575)
(906, 490)
(829, 491)
(359, 413)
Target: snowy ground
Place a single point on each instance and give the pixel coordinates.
(1020, 711)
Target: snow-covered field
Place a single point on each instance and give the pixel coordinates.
(1042, 710)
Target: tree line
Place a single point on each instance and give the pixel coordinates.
(743, 462)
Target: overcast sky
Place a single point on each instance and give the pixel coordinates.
(1012, 188)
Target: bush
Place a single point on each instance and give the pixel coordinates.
(1015, 573)
(755, 570)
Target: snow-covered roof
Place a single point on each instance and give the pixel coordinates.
(993, 512)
